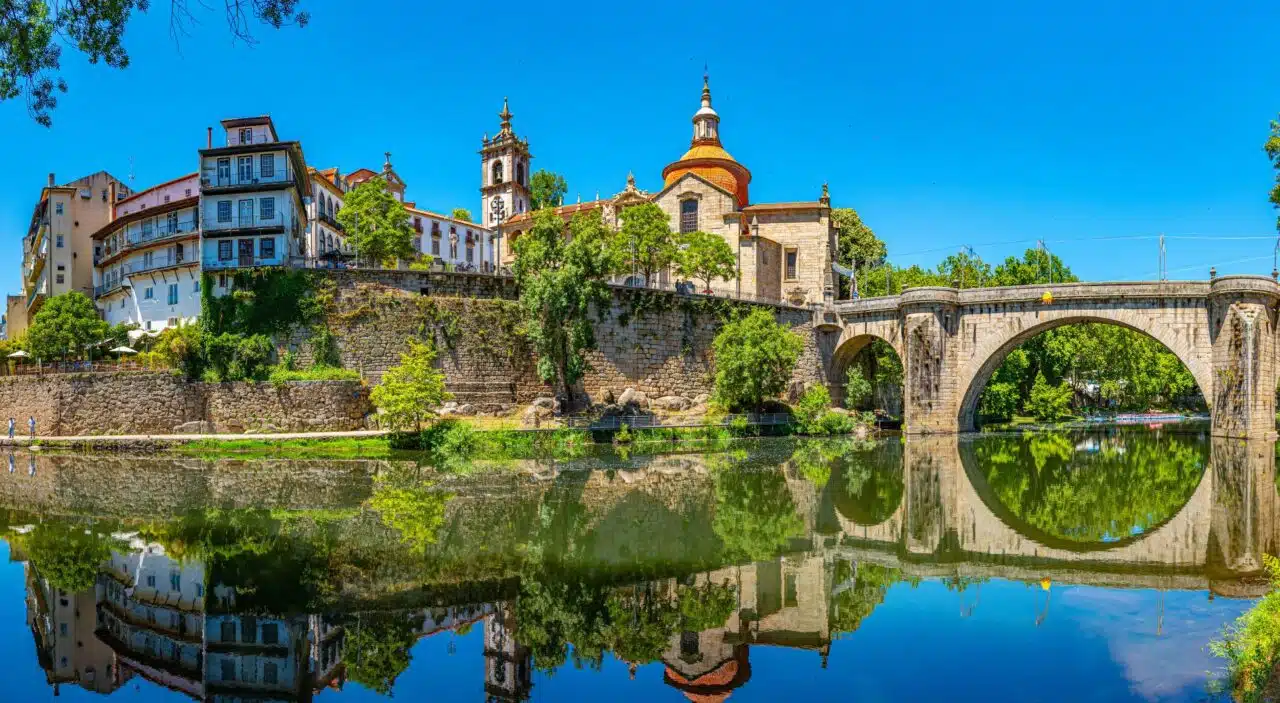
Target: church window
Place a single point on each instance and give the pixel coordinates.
(497, 173)
(520, 173)
(791, 258)
(688, 215)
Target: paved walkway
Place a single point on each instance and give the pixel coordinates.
(100, 438)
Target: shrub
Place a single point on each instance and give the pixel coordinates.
(833, 423)
(233, 357)
(182, 348)
(1251, 645)
(282, 374)
(410, 392)
(623, 435)
(856, 388)
(324, 349)
(813, 405)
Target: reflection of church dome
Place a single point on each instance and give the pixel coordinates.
(706, 158)
(716, 684)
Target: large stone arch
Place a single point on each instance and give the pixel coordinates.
(991, 349)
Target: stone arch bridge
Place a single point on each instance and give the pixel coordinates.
(951, 341)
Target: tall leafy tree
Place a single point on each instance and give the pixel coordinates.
(858, 245)
(1036, 266)
(645, 244)
(30, 53)
(64, 326)
(411, 392)
(377, 224)
(965, 270)
(560, 281)
(704, 257)
(1272, 147)
(547, 189)
(754, 357)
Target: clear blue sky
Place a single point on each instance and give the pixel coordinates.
(944, 124)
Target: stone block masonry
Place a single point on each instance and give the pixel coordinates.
(157, 403)
(654, 341)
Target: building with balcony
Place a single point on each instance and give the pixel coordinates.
(57, 251)
(62, 627)
(327, 244)
(147, 257)
(253, 194)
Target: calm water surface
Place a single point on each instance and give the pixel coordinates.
(1057, 567)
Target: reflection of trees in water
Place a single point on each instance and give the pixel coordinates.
(1109, 489)
(861, 588)
(867, 483)
(377, 648)
(558, 612)
(755, 516)
(66, 553)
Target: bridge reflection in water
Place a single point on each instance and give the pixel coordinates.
(686, 562)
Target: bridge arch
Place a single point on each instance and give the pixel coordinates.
(852, 341)
(990, 350)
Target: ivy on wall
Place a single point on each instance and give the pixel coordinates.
(265, 301)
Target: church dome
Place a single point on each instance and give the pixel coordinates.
(706, 158)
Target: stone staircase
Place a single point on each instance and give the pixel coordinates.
(483, 396)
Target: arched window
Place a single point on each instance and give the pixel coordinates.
(497, 173)
(520, 173)
(688, 215)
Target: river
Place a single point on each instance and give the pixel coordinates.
(1079, 566)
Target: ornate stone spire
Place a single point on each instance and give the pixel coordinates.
(706, 121)
(505, 116)
(386, 166)
(826, 195)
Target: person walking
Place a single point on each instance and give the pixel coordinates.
(31, 423)
(12, 425)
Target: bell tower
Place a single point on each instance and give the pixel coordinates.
(504, 173)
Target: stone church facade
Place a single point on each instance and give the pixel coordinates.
(785, 250)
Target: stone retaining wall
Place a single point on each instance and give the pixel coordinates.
(656, 342)
(157, 403)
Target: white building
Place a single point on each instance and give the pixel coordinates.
(326, 237)
(147, 257)
(457, 244)
(253, 194)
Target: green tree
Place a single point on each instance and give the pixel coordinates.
(461, 213)
(376, 648)
(704, 257)
(964, 270)
(857, 387)
(377, 224)
(560, 281)
(32, 33)
(754, 357)
(1049, 403)
(858, 245)
(1272, 148)
(65, 325)
(1036, 266)
(645, 244)
(410, 392)
(546, 189)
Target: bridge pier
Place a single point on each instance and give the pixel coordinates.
(1242, 324)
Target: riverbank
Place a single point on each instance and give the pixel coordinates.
(445, 441)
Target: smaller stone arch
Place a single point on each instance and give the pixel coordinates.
(847, 347)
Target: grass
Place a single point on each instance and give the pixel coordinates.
(279, 374)
(320, 448)
(1251, 645)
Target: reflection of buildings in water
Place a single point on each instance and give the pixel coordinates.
(148, 615)
(62, 626)
(782, 603)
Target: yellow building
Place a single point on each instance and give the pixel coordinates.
(785, 250)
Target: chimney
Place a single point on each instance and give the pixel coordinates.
(51, 179)
(208, 138)
(111, 202)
